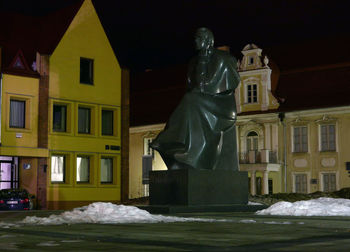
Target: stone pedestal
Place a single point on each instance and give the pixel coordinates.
(198, 187)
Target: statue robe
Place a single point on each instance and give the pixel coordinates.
(201, 132)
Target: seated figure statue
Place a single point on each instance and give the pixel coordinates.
(200, 133)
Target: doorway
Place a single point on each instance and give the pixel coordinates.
(8, 172)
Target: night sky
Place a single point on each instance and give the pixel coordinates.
(153, 34)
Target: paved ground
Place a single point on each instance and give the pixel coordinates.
(241, 232)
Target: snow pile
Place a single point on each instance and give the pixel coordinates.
(105, 213)
(315, 207)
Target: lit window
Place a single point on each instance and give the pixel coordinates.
(300, 139)
(86, 71)
(106, 170)
(59, 118)
(107, 122)
(84, 120)
(57, 168)
(17, 114)
(328, 137)
(252, 93)
(83, 169)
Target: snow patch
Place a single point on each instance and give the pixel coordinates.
(251, 203)
(106, 213)
(316, 207)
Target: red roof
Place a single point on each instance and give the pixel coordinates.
(33, 34)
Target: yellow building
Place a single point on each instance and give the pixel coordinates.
(70, 98)
(292, 126)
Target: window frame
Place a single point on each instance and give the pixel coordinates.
(64, 169)
(300, 137)
(328, 149)
(24, 119)
(322, 185)
(89, 181)
(90, 120)
(307, 174)
(250, 93)
(113, 122)
(91, 71)
(112, 171)
(65, 118)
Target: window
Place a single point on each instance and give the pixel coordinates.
(106, 170)
(252, 93)
(83, 169)
(84, 120)
(300, 141)
(250, 60)
(59, 118)
(107, 122)
(328, 137)
(329, 182)
(252, 141)
(86, 71)
(17, 114)
(147, 150)
(57, 168)
(300, 183)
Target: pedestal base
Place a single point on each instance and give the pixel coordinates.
(198, 187)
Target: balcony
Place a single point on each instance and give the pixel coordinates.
(258, 157)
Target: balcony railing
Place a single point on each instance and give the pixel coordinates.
(254, 157)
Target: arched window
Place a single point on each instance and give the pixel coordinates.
(252, 141)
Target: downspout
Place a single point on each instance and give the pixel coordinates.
(282, 117)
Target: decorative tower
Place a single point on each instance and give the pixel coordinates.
(255, 87)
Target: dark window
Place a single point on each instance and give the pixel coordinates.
(107, 122)
(84, 120)
(300, 139)
(252, 93)
(328, 137)
(86, 71)
(59, 118)
(17, 114)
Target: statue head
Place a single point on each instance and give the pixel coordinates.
(204, 38)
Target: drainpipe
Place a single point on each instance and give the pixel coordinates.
(282, 117)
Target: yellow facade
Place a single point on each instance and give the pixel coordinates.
(21, 142)
(85, 38)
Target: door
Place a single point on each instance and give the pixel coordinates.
(8, 173)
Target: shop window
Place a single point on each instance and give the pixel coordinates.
(106, 170)
(59, 118)
(17, 113)
(86, 71)
(83, 169)
(107, 122)
(84, 120)
(58, 168)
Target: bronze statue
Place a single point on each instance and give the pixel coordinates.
(201, 133)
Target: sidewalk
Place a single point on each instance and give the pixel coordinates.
(231, 232)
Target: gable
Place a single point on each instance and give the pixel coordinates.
(85, 38)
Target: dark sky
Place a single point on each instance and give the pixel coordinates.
(152, 34)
